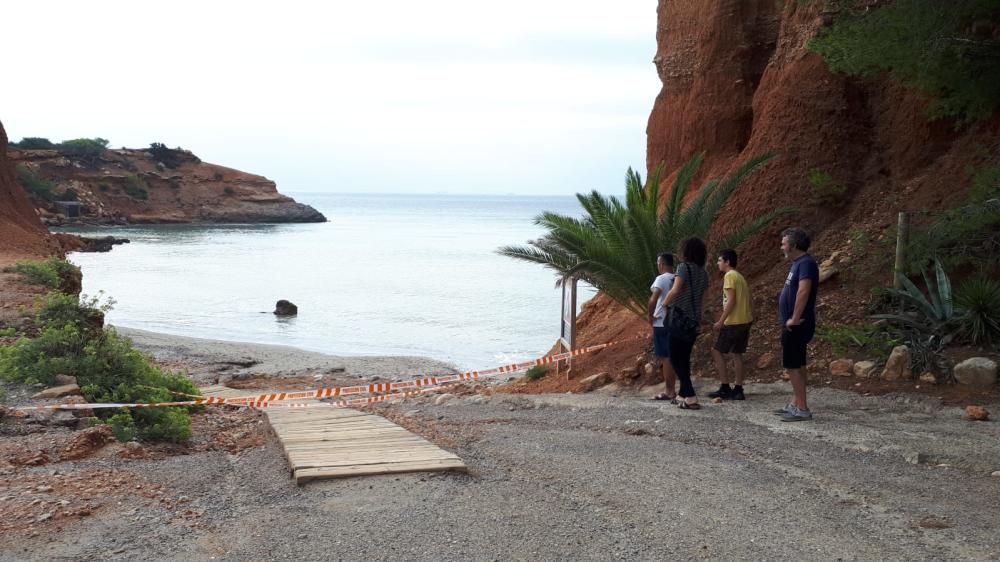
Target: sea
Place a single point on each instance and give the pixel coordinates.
(387, 275)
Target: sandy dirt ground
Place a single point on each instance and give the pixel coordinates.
(608, 475)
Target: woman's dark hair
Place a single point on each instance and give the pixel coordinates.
(798, 238)
(693, 251)
(667, 258)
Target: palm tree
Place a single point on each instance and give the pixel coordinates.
(614, 247)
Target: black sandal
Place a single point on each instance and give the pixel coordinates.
(683, 405)
(665, 397)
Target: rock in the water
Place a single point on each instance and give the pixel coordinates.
(841, 367)
(593, 382)
(977, 413)
(285, 308)
(977, 371)
(864, 368)
(898, 365)
(58, 391)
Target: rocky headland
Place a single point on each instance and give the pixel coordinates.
(144, 186)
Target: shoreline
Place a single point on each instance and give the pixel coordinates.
(214, 361)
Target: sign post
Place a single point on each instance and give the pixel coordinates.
(567, 326)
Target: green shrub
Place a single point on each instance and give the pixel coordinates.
(944, 48)
(136, 188)
(870, 340)
(34, 143)
(979, 301)
(825, 189)
(122, 426)
(86, 151)
(33, 184)
(51, 272)
(968, 236)
(8, 332)
(105, 364)
(536, 372)
(170, 157)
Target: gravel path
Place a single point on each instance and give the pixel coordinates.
(592, 477)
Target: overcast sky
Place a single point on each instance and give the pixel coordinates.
(459, 96)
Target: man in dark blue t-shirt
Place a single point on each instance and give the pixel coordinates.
(797, 312)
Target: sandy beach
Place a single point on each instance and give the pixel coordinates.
(216, 361)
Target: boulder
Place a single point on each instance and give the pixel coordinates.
(898, 365)
(65, 379)
(285, 308)
(57, 391)
(825, 273)
(977, 371)
(88, 441)
(443, 398)
(864, 368)
(765, 361)
(841, 367)
(593, 382)
(629, 373)
(648, 369)
(977, 413)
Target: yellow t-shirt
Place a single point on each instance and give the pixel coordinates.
(741, 312)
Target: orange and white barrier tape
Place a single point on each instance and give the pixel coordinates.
(417, 386)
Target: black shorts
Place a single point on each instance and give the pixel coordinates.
(733, 338)
(661, 341)
(793, 345)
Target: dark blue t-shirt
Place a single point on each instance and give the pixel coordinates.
(804, 267)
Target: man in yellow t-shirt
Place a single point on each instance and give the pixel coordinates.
(732, 329)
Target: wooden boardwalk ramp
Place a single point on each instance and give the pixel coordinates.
(324, 442)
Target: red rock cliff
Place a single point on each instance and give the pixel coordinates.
(21, 232)
(738, 81)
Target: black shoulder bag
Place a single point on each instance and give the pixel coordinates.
(679, 324)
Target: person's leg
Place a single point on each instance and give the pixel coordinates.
(720, 348)
(737, 368)
(680, 357)
(669, 377)
(798, 379)
(720, 366)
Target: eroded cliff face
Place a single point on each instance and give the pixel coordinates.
(131, 186)
(738, 81)
(21, 232)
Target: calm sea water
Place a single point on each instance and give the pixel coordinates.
(388, 275)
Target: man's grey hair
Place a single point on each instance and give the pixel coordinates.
(798, 238)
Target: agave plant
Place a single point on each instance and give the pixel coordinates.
(979, 300)
(614, 247)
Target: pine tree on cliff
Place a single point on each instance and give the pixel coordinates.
(614, 247)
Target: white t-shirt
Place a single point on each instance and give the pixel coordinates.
(663, 283)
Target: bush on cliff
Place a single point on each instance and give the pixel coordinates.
(947, 49)
(85, 151)
(136, 188)
(72, 341)
(34, 143)
(52, 273)
(170, 157)
(35, 185)
(614, 247)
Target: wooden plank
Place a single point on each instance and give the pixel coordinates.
(340, 442)
(309, 474)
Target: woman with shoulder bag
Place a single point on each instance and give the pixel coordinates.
(685, 301)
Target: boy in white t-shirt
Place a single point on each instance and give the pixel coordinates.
(657, 314)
